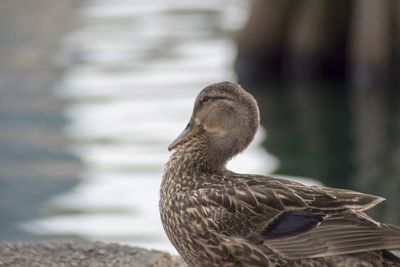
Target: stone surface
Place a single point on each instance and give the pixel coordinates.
(82, 253)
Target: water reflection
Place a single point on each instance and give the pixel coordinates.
(377, 147)
(344, 138)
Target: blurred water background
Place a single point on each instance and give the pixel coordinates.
(84, 138)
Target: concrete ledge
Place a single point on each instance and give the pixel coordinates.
(82, 253)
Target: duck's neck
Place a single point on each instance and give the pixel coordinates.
(198, 155)
(191, 162)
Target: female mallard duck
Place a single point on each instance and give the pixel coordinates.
(215, 217)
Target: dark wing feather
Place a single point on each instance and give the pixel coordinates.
(292, 223)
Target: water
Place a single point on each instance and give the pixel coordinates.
(134, 68)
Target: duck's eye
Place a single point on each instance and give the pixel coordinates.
(205, 99)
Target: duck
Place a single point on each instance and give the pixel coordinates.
(217, 217)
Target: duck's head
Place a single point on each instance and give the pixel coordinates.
(224, 115)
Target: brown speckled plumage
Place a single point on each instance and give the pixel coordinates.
(215, 217)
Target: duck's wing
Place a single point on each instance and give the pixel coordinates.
(298, 221)
(302, 234)
(319, 198)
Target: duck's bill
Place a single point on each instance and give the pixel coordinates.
(181, 137)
